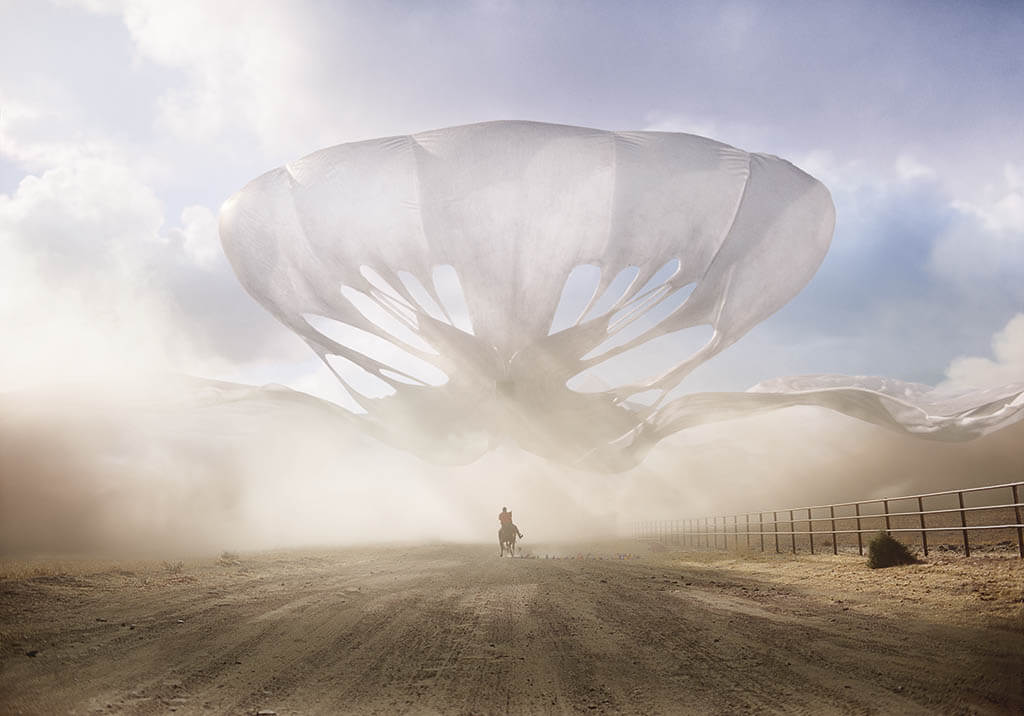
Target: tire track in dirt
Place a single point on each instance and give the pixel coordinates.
(455, 629)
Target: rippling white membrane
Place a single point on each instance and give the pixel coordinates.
(550, 285)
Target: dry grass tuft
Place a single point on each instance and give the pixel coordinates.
(173, 567)
(229, 559)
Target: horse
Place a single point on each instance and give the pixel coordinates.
(507, 539)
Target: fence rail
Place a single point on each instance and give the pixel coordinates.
(995, 520)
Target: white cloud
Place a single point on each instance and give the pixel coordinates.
(848, 175)
(988, 242)
(1001, 208)
(76, 247)
(244, 66)
(241, 62)
(27, 134)
(95, 286)
(200, 240)
(96, 282)
(1007, 366)
(909, 168)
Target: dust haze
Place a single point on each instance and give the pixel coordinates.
(189, 466)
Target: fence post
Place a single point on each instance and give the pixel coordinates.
(746, 518)
(885, 508)
(1020, 532)
(792, 531)
(963, 523)
(835, 537)
(775, 525)
(924, 532)
(760, 528)
(735, 532)
(707, 535)
(810, 529)
(860, 541)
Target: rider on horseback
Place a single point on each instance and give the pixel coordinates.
(505, 518)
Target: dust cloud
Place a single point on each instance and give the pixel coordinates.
(804, 456)
(189, 466)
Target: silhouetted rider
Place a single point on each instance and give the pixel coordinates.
(505, 518)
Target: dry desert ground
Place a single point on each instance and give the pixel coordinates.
(454, 629)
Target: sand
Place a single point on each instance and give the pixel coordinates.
(454, 629)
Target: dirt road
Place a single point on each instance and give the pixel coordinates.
(455, 629)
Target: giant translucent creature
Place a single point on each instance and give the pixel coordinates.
(526, 281)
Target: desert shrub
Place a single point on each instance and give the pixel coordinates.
(228, 558)
(173, 567)
(886, 551)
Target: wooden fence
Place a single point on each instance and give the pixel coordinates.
(992, 514)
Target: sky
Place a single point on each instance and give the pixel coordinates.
(125, 125)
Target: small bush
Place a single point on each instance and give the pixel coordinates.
(173, 567)
(885, 551)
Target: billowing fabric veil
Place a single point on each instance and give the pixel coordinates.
(432, 273)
